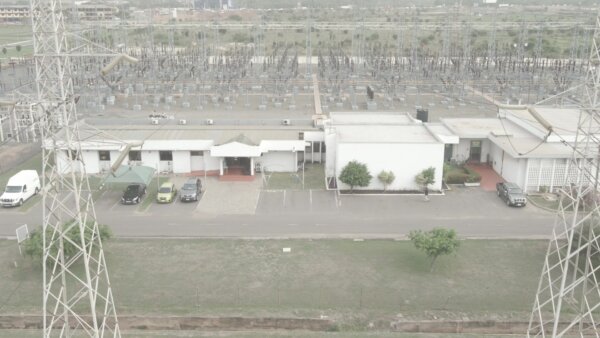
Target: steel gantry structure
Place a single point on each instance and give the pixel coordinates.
(567, 302)
(75, 303)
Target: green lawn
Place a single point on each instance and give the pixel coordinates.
(351, 282)
(314, 178)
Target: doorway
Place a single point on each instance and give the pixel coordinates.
(237, 166)
(475, 151)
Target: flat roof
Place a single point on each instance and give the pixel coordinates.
(369, 118)
(530, 147)
(564, 121)
(219, 134)
(474, 127)
(416, 133)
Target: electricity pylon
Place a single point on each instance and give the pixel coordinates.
(567, 302)
(77, 295)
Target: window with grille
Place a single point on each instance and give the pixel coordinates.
(104, 155)
(165, 155)
(135, 155)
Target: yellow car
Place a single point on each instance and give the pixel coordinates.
(166, 193)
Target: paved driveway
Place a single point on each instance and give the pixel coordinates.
(315, 214)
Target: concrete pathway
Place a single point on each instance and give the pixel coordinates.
(489, 177)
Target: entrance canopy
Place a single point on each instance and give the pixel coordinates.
(235, 149)
(131, 174)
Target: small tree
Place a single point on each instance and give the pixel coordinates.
(34, 245)
(435, 243)
(387, 178)
(18, 48)
(355, 174)
(426, 177)
(4, 50)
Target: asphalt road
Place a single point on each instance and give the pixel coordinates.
(319, 214)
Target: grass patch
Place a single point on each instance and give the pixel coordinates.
(459, 174)
(314, 178)
(352, 282)
(259, 334)
(151, 191)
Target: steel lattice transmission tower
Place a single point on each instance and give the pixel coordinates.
(568, 296)
(77, 296)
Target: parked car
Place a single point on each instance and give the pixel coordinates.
(20, 187)
(191, 190)
(133, 194)
(511, 194)
(166, 193)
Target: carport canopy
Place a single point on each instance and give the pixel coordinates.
(131, 174)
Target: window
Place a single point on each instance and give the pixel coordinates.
(104, 155)
(135, 155)
(322, 147)
(197, 153)
(317, 147)
(301, 135)
(165, 155)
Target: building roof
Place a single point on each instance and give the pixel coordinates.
(416, 133)
(564, 122)
(369, 118)
(473, 127)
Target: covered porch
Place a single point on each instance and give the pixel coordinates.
(236, 158)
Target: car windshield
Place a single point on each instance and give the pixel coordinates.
(13, 189)
(189, 187)
(164, 190)
(132, 188)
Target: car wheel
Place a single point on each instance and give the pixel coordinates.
(508, 202)
(37, 191)
(498, 192)
(21, 202)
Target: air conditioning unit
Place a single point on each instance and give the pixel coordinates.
(182, 121)
(154, 121)
(286, 122)
(210, 122)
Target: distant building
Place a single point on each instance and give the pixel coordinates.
(95, 12)
(14, 13)
(213, 4)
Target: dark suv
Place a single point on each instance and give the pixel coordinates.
(133, 194)
(511, 194)
(191, 190)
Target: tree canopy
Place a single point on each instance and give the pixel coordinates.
(435, 243)
(34, 245)
(426, 177)
(355, 174)
(387, 178)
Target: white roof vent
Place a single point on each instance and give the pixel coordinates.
(154, 121)
(182, 122)
(286, 122)
(210, 122)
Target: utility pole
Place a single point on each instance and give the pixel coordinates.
(567, 302)
(76, 302)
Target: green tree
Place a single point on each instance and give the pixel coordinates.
(426, 177)
(435, 243)
(18, 48)
(355, 174)
(387, 178)
(34, 245)
(4, 50)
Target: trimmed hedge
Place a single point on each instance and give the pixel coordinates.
(460, 175)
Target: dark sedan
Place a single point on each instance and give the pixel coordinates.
(133, 194)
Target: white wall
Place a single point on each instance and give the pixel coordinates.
(330, 155)
(212, 163)
(62, 163)
(91, 161)
(150, 158)
(511, 169)
(280, 161)
(462, 150)
(405, 160)
(181, 162)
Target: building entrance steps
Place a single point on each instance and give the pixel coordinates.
(489, 177)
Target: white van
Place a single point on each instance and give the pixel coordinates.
(20, 188)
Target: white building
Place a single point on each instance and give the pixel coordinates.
(214, 149)
(384, 141)
(518, 147)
